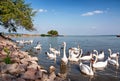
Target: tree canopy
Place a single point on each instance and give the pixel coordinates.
(53, 32)
(14, 14)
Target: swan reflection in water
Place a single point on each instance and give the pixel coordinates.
(63, 69)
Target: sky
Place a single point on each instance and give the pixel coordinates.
(76, 17)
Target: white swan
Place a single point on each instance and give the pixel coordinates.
(113, 55)
(76, 50)
(86, 69)
(87, 57)
(20, 41)
(28, 42)
(51, 49)
(51, 55)
(64, 59)
(38, 47)
(75, 59)
(57, 52)
(101, 55)
(73, 53)
(113, 61)
(100, 64)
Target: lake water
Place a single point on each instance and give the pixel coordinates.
(87, 43)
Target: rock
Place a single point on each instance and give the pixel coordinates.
(43, 70)
(52, 76)
(15, 59)
(38, 80)
(24, 61)
(15, 53)
(29, 74)
(11, 68)
(33, 62)
(34, 66)
(20, 68)
(60, 79)
(51, 69)
(20, 79)
(21, 56)
(3, 52)
(7, 77)
(3, 67)
(29, 58)
(40, 73)
(44, 77)
(34, 59)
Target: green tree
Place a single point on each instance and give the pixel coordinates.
(14, 14)
(53, 32)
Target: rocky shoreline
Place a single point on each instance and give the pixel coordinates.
(20, 66)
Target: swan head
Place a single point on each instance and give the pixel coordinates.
(109, 49)
(94, 50)
(93, 55)
(64, 43)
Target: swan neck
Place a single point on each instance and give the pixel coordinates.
(78, 46)
(64, 52)
(81, 52)
(96, 58)
(96, 52)
(117, 59)
(91, 71)
(90, 65)
(110, 52)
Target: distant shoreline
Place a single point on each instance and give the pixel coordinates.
(46, 35)
(31, 35)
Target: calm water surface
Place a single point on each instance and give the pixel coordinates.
(87, 43)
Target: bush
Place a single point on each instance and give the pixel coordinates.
(7, 60)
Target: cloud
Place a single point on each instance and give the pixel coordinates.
(93, 13)
(40, 10)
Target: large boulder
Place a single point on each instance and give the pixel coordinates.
(29, 74)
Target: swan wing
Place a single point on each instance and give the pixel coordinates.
(100, 64)
(101, 56)
(113, 62)
(86, 69)
(74, 59)
(114, 55)
(50, 55)
(85, 58)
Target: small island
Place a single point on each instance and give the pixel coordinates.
(50, 33)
